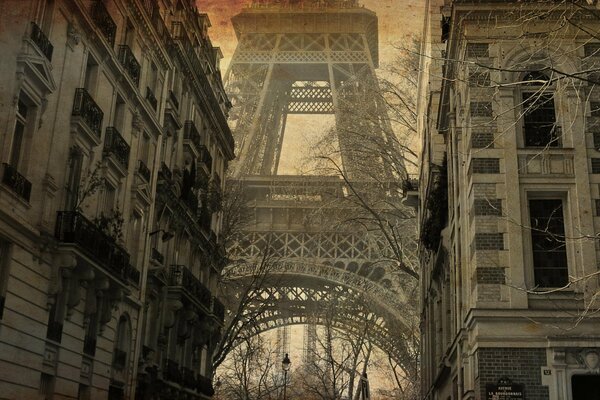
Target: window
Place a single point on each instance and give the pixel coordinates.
(4, 262)
(91, 75)
(19, 133)
(110, 195)
(55, 320)
(74, 178)
(83, 392)
(122, 343)
(46, 15)
(548, 243)
(91, 331)
(47, 386)
(119, 116)
(539, 114)
(135, 231)
(144, 150)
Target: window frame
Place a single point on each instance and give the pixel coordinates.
(28, 122)
(5, 261)
(540, 90)
(558, 193)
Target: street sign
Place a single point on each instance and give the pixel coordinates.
(504, 390)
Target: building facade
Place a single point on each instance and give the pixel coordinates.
(509, 196)
(114, 149)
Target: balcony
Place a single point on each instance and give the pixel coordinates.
(205, 158)
(191, 138)
(151, 99)
(16, 182)
(104, 22)
(171, 371)
(86, 108)
(181, 276)
(73, 228)
(130, 63)
(189, 379)
(205, 386)
(41, 41)
(172, 117)
(157, 256)
(144, 171)
(165, 172)
(116, 146)
(119, 359)
(218, 309)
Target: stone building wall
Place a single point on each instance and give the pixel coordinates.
(108, 90)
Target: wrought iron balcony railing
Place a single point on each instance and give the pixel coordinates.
(54, 332)
(85, 107)
(73, 228)
(16, 182)
(119, 359)
(104, 22)
(180, 275)
(115, 145)
(190, 132)
(173, 99)
(205, 157)
(130, 63)
(205, 386)
(89, 346)
(218, 309)
(41, 41)
(144, 171)
(151, 99)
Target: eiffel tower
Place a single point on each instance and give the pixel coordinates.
(315, 57)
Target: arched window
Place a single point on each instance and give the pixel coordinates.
(538, 111)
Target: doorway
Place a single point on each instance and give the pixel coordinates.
(585, 387)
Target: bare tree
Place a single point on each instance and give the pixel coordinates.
(240, 286)
(251, 372)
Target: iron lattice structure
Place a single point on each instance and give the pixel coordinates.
(304, 57)
(310, 57)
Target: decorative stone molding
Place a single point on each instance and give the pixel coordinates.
(73, 36)
(61, 264)
(173, 305)
(591, 359)
(137, 124)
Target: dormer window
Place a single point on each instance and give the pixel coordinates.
(539, 112)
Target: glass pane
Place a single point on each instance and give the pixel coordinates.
(548, 242)
(539, 120)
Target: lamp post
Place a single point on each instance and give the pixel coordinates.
(285, 365)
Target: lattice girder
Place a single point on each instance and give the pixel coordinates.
(287, 305)
(303, 270)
